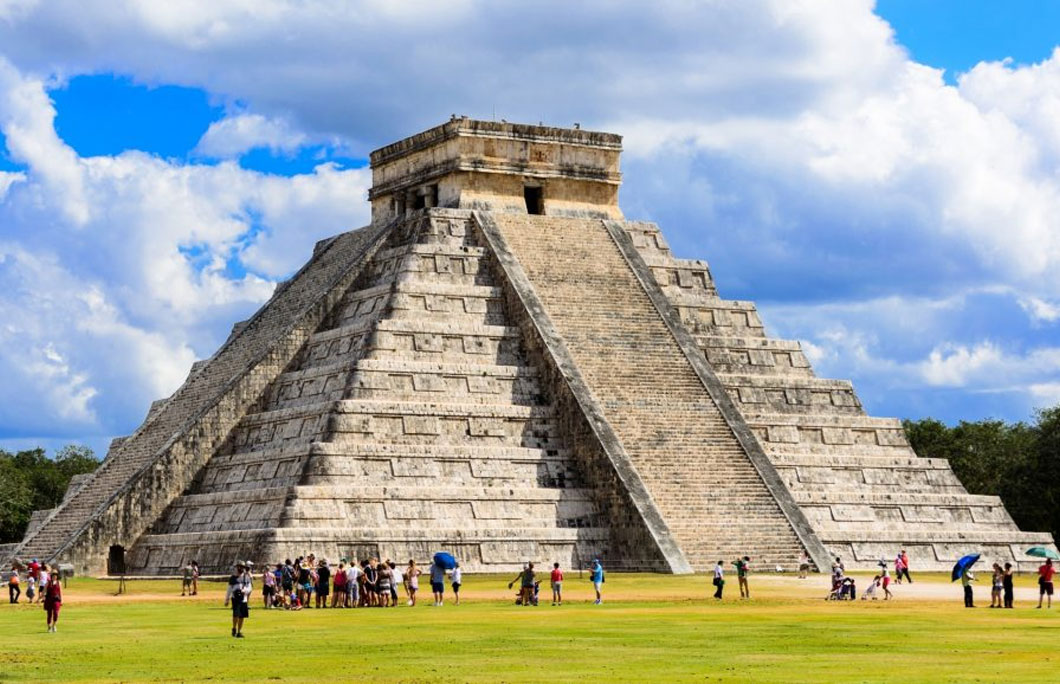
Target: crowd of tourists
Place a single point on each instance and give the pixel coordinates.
(845, 588)
(43, 585)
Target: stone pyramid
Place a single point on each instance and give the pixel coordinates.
(502, 367)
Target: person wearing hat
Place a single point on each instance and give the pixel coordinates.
(239, 590)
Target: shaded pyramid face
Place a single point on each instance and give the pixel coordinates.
(411, 421)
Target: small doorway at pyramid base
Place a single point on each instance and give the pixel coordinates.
(116, 560)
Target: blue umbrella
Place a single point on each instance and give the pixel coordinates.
(445, 560)
(962, 565)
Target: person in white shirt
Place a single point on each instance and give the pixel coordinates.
(395, 579)
(238, 594)
(456, 578)
(353, 590)
(719, 580)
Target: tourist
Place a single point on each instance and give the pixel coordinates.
(195, 572)
(719, 580)
(338, 596)
(14, 589)
(438, 583)
(42, 580)
(1006, 585)
(905, 566)
(556, 581)
(323, 583)
(966, 581)
(455, 578)
(898, 568)
(1045, 582)
(370, 576)
(596, 576)
(239, 592)
(33, 569)
(838, 569)
(412, 577)
(383, 583)
(397, 578)
(286, 581)
(185, 585)
(870, 593)
(31, 588)
(804, 565)
(353, 584)
(52, 592)
(525, 578)
(997, 583)
(743, 567)
(305, 582)
(885, 581)
(268, 586)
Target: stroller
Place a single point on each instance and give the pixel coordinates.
(843, 589)
(533, 599)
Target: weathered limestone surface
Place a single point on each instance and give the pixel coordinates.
(501, 367)
(864, 491)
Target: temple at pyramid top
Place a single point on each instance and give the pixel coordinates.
(498, 166)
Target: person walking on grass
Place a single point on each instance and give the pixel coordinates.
(53, 598)
(556, 580)
(240, 587)
(1045, 582)
(456, 577)
(719, 580)
(1006, 585)
(14, 589)
(526, 586)
(743, 568)
(438, 583)
(596, 576)
(412, 576)
(966, 581)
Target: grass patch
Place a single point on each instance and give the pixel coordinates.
(651, 627)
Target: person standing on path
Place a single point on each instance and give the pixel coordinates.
(14, 589)
(1006, 585)
(1045, 582)
(268, 586)
(53, 598)
(240, 587)
(804, 565)
(885, 581)
(556, 580)
(396, 578)
(743, 567)
(996, 584)
(905, 566)
(195, 572)
(526, 584)
(966, 581)
(719, 580)
(596, 576)
(185, 585)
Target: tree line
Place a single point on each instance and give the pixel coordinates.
(1020, 462)
(30, 480)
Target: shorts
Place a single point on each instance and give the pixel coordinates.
(437, 587)
(557, 586)
(307, 587)
(287, 587)
(268, 591)
(187, 582)
(804, 567)
(240, 609)
(456, 587)
(323, 590)
(1046, 588)
(886, 582)
(414, 585)
(597, 585)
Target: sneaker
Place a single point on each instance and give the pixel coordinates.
(239, 635)
(596, 602)
(233, 631)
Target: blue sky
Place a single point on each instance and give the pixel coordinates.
(881, 180)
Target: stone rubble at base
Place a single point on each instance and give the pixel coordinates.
(500, 366)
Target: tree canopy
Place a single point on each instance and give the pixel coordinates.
(30, 480)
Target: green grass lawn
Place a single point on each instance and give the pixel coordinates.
(651, 627)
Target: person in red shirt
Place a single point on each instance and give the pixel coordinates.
(53, 597)
(557, 585)
(34, 569)
(1045, 582)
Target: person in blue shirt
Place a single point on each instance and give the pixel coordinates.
(596, 576)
